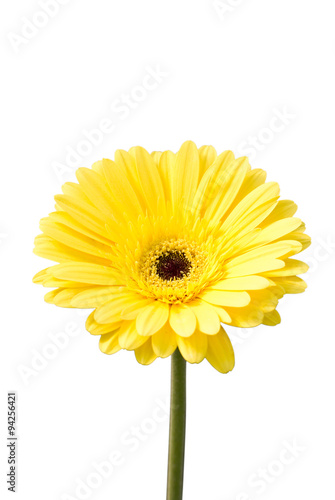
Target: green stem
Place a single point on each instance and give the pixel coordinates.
(177, 427)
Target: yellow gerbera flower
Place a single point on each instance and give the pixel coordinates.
(166, 247)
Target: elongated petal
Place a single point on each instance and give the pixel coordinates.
(182, 320)
(256, 206)
(284, 209)
(220, 352)
(110, 311)
(242, 283)
(93, 296)
(246, 317)
(280, 249)
(109, 343)
(207, 318)
(53, 250)
(67, 220)
(86, 273)
(223, 313)
(83, 212)
(253, 179)
(164, 342)
(211, 182)
(228, 186)
(96, 189)
(272, 318)
(122, 191)
(223, 298)
(167, 164)
(186, 175)
(145, 354)
(291, 284)
(193, 348)
(100, 329)
(276, 230)
(152, 318)
(207, 156)
(291, 268)
(150, 181)
(129, 337)
(255, 266)
(265, 300)
(133, 310)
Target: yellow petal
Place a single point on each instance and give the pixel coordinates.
(280, 249)
(93, 296)
(86, 273)
(186, 175)
(207, 156)
(133, 310)
(245, 317)
(242, 283)
(182, 320)
(164, 342)
(52, 282)
(50, 296)
(265, 300)
(152, 318)
(207, 318)
(302, 238)
(95, 189)
(256, 266)
(291, 284)
(227, 188)
(40, 276)
(156, 156)
(122, 189)
(222, 313)
(284, 209)
(276, 230)
(75, 191)
(70, 222)
(223, 298)
(109, 343)
(271, 318)
(211, 181)
(243, 213)
(220, 352)
(129, 337)
(292, 267)
(83, 212)
(252, 180)
(98, 329)
(145, 354)
(110, 311)
(127, 166)
(61, 297)
(53, 250)
(193, 348)
(166, 169)
(150, 181)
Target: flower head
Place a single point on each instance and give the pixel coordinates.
(168, 247)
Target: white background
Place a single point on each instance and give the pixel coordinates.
(229, 71)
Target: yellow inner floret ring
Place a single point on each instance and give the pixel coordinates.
(172, 269)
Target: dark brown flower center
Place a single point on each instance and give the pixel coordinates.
(173, 265)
